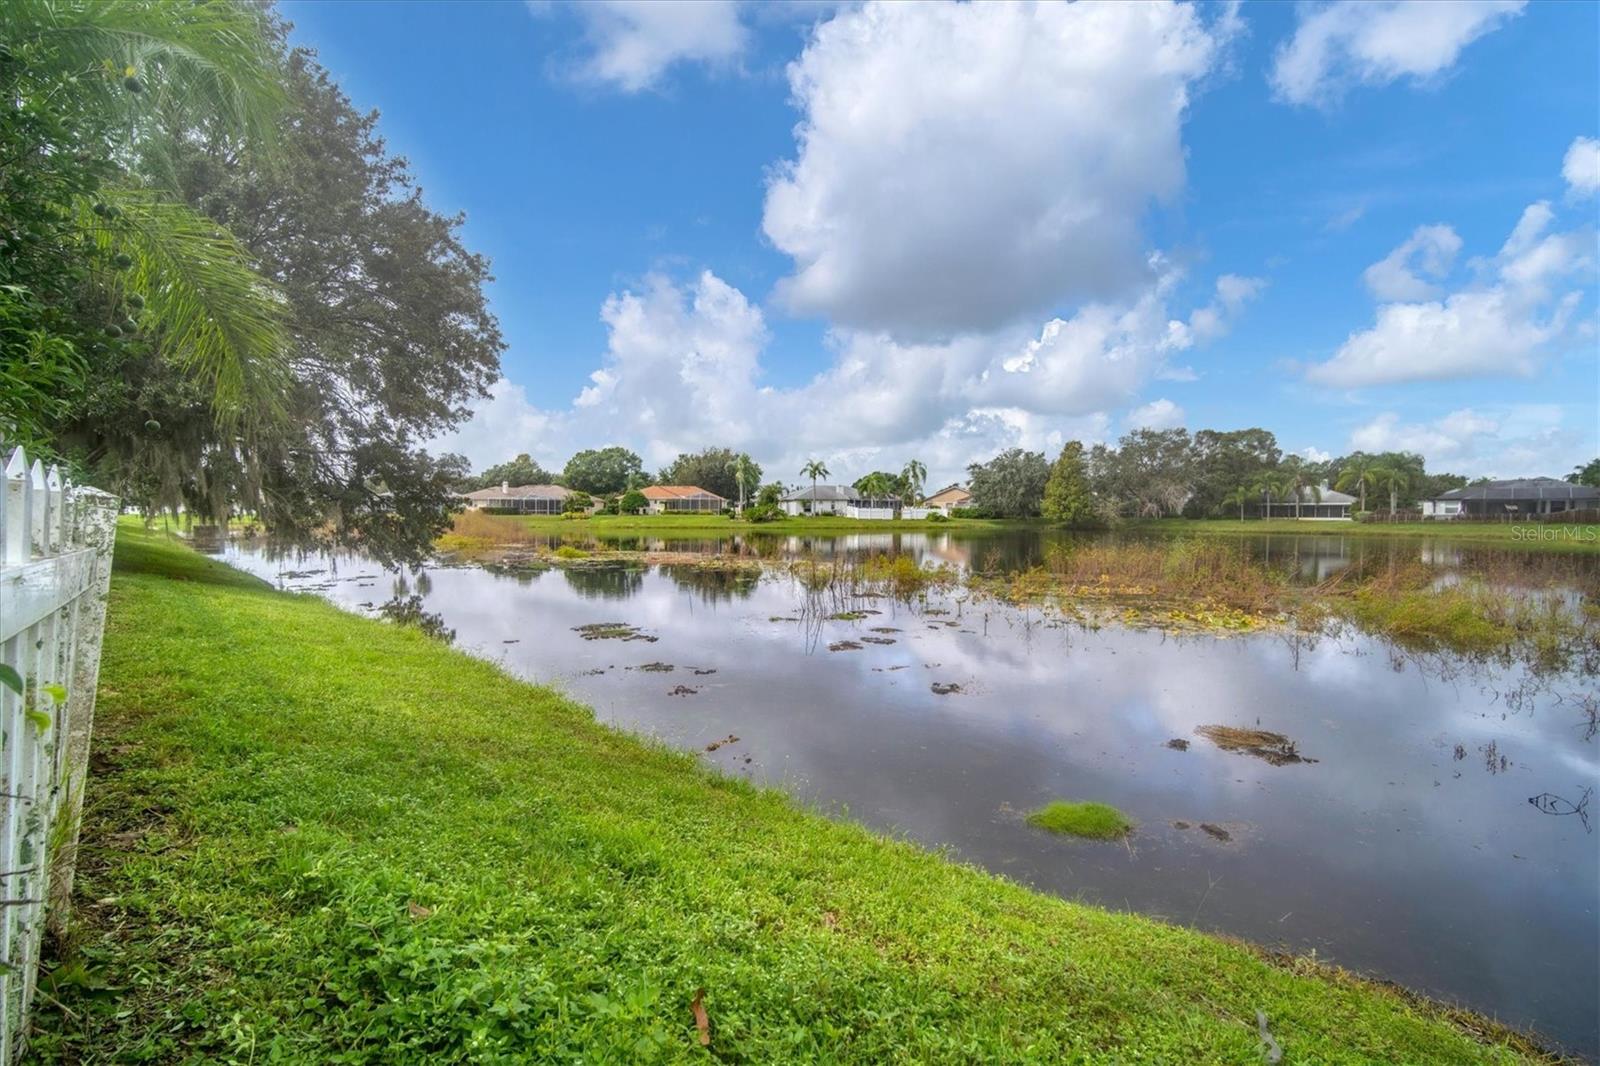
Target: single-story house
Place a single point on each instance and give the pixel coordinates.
(524, 499)
(1514, 498)
(1322, 504)
(843, 500)
(948, 499)
(681, 499)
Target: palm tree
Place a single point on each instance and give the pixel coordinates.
(1299, 482)
(1239, 496)
(144, 67)
(743, 474)
(915, 474)
(1358, 475)
(875, 486)
(1272, 485)
(814, 469)
(1396, 480)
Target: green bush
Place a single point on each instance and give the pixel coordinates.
(764, 512)
(938, 516)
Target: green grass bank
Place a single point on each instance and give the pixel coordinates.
(312, 837)
(1553, 536)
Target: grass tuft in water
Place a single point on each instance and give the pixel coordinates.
(1097, 821)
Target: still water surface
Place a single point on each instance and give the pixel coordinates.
(1409, 848)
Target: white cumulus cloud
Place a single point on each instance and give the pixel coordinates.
(1496, 325)
(1430, 250)
(1518, 440)
(1581, 167)
(1157, 414)
(962, 165)
(682, 370)
(1374, 42)
(632, 43)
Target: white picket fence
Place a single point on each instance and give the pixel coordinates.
(55, 568)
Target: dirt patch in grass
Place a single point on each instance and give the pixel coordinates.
(1093, 821)
(1274, 748)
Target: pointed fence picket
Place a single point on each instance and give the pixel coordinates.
(55, 569)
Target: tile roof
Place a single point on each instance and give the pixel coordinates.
(676, 492)
(495, 492)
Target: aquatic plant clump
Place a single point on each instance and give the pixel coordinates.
(1274, 748)
(612, 631)
(1094, 821)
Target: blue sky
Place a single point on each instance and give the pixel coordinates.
(870, 234)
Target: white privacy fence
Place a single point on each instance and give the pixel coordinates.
(55, 566)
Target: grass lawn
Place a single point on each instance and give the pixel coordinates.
(1554, 536)
(316, 838)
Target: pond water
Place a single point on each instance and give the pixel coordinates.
(1409, 849)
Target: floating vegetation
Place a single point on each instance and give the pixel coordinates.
(1549, 803)
(884, 629)
(612, 631)
(567, 551)
(1274, 748)
(1180, 825)
(941, 688)
(844, 645)
(682, 690)
(782, 618)
(655, 668)
(1178, 744)
(1095, 821)
(1216, 832)
(878, 640)
(702, 671)
(848, 616)
(715, 744)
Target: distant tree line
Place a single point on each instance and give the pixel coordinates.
(1147, 474)
(1211, 473)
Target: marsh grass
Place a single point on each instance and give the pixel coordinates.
(1096, 821)
(1506, 606)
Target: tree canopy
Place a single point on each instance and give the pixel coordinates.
(604, 471)
(1068, 499)
(1011, 485)
(713, 469)
(519, 471)
(233, 293)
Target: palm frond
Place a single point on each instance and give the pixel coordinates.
(210, 59)
(204, 303)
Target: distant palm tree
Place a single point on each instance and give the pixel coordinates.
(1395, 479)
(743, 474)
(876, 486)
(914, 474)
(814, 469)
(1358, 475)
(1240, 496)
(1273, 485)
(1300, 482)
